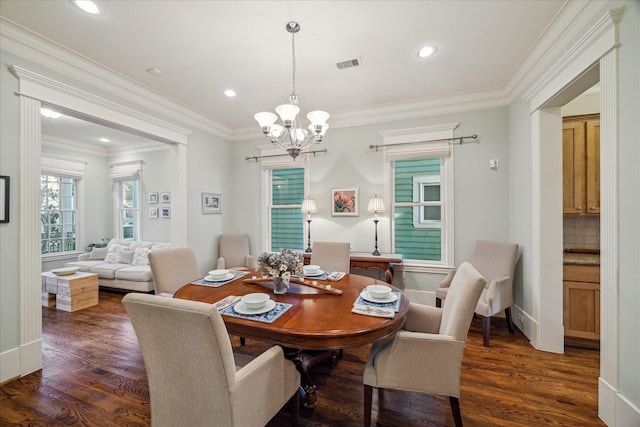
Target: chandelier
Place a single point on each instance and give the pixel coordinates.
(291, 135)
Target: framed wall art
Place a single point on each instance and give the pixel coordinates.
(165, 212)
(165, 197)
(211, 203)
(153, 213)
(153, 198)
(4, 198)
(344, 201)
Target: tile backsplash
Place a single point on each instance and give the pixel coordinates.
(581, 232)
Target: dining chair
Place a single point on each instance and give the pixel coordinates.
(331, 256)
(496, 261)
(195, 378)
(173, 268)
(426, 354)
(233, 253)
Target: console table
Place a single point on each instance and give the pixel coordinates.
(365, 260)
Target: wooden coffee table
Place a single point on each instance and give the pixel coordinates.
(316, 320)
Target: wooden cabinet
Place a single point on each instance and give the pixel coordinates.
(581, 165)
(581, 304)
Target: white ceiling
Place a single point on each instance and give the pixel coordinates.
(205, 47)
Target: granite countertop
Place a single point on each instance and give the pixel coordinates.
(575, 257)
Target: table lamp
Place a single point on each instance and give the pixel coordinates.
(308, 207)
(376, 204)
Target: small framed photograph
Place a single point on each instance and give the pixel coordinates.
(165, 212)
(211, 203)
(344, 201)
(165, 197)
(4, 198)
(153, 213)
(153, 198)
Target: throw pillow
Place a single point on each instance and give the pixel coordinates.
(98, 253)
(141, 256)
(114, 253)
(126, 257)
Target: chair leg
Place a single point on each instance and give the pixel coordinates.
(294, 408)
(241, 340)
(455, 410)
(507, 314)
(486, 327)
(368, 397)
(438, 303)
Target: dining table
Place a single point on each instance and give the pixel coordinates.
(316, 318)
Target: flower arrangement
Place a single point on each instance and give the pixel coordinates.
(343, 203)
(281, 264)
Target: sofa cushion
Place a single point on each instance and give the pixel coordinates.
(126, 257)
(135, 273)
(141, 256)
(84, 266)
(135, 245)
(113, 253)
(108, 270)
(98, 253)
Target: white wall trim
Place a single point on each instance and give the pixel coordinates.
(9, 365)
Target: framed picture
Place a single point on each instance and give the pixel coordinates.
(153, 198)
(165, 212)
(211, 203)
(344, 201)
(165, 197)
(4, 198)
(153, 213)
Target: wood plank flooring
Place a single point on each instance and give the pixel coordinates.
(94, 375)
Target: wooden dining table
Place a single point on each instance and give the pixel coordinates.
(317, 326)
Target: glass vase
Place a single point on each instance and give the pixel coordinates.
(280, 285)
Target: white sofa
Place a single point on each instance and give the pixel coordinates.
(121, 265)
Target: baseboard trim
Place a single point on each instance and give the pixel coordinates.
(614, 409)
(9, 365)
(30, 357)
(527, 324)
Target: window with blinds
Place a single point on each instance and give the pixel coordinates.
(287, 193)
(417, 208)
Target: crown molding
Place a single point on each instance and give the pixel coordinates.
(27, 44)
(99, 150)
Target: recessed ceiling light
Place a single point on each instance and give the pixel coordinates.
(230, 93)
(154, 71)
(427, 51)
(87, 6)
(104, 139)
(50, 114)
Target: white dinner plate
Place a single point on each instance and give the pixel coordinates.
(227, 277)
(316, 274)
(241, 308)
(389, 298)
(64, 271)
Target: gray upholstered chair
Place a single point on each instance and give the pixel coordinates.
(234, 254)
(496, 262)
(195, 378)
(331, 256)
(426, 354)
(173, 268)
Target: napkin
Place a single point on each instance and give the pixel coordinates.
(373, 311)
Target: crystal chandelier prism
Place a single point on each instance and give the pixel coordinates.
(290, 135)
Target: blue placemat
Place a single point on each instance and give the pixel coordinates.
(203, 282)
(268, 317)
(395, 305)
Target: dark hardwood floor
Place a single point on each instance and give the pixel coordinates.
(94, 375)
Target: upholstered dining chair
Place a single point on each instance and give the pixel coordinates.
(426, 354)
(233, 253)
(331, 256)
(496, 261)
(195, 378)
(173, 268)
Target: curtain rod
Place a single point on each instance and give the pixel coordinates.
(460, 140)
(256, 158)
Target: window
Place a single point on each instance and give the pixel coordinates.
(286, 218)
(58, 214)
(129, 209)
(420, 173)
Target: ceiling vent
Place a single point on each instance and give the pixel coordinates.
(348, 64)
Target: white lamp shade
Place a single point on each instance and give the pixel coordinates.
(322, 132)
(287, 112)
(318, 118)
(276, 130)
(265, 118)
(309, 206)
(376, 204)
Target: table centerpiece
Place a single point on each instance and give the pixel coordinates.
(281, 266)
